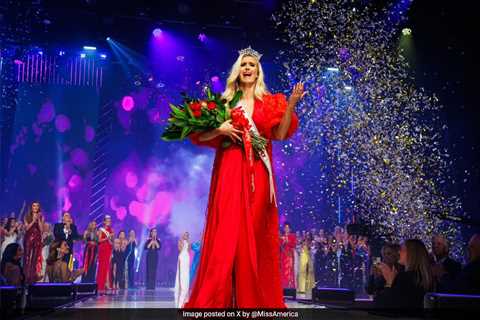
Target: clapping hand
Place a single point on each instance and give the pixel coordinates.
(388, 273)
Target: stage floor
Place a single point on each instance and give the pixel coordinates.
(151, 299)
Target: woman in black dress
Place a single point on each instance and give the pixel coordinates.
(152, 246)
(405, 289)
(131, 246)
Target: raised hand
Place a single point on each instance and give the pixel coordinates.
(297, 93)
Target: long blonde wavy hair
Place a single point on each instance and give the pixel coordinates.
(233, 80)
(419, 262)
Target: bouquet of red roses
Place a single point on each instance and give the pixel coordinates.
(200, 115)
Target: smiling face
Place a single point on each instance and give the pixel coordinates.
(248, 70)
(35, 207)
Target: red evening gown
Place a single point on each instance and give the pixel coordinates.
(32, 242)
(104, 260)
(240, 264)
(287, 261)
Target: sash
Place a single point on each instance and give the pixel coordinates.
(107, 234)
(263, 155)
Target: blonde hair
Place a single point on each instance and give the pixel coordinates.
(419, 262)
(233, 80)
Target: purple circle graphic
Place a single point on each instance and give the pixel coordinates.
(62, 123)
(79, 158)
(131, 180)
(47, 113)
(89, 133)
(128, 103)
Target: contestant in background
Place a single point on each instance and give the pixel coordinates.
(306, 278)
(47, 239)
(131, 247)
(152, 246)
(288, 243)
(10, 234)
(33, 244)
(105, 240)
(182, 278)
(90, 237)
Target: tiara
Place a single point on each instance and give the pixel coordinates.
(250, 52)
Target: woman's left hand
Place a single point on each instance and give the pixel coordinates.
(297, 93)
(388, 273)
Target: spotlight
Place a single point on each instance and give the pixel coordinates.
(406, 31)
(40, 52)
(89, 48)
(108, 39)
(82, 55)
(202, 37)
(157, 32)
(103, 56)
(61, 53)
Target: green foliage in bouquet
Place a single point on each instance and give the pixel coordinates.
(198, 115)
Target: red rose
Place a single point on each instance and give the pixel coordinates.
(195, 106)
(211, 105)
(197, 113)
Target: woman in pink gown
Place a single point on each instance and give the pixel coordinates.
(240, 258)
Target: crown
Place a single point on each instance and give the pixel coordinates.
(250, 52)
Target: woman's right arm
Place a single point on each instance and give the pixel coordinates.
(214, 137)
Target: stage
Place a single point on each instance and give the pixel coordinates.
(150, 299)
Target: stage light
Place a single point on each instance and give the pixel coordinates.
(82, 55)
(108, 39)
(202, 37)
(157, 32)
(333, 69)
(348, 88)
(103, 56)
(406, 31)
(40, 52)
(61, 53)
(89, 48)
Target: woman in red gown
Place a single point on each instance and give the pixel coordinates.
(32, 242)
(239, 264)
(288, 243)
(105, 247)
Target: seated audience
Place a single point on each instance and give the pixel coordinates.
(444, 268)
(10, 266)
(57, 267)
(406, 289)
(468, 280)
(390, 255)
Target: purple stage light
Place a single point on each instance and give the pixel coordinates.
(157, 32)
(131, 180)
(62, 123)
(202, 37)
(79, 158)
(75, 182)
(121, 213)
(215, 79)
(89, 134)
(128, 103)
(47, 113)
(16, 61)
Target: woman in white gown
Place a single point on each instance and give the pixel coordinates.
(182, 279)
(11, 234)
